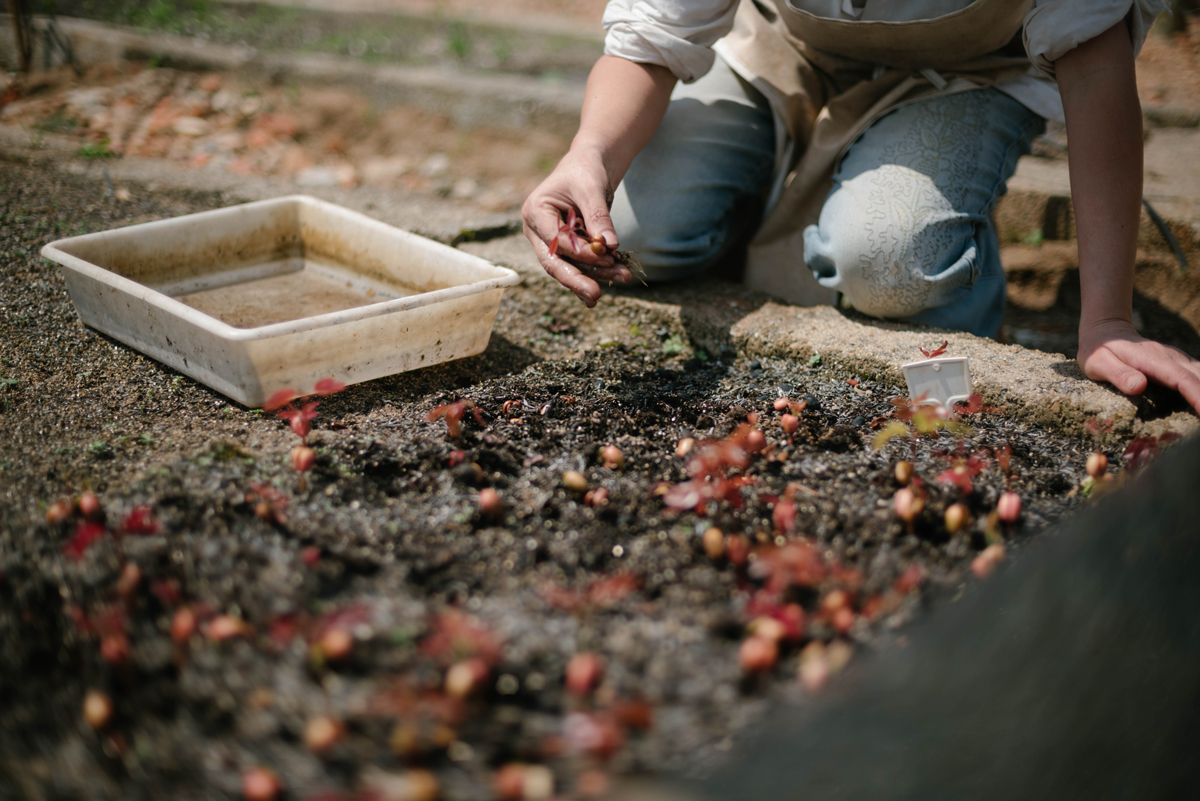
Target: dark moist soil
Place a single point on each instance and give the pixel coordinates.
(388, 541)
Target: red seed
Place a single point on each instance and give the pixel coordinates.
(790, 423)
(128, 581)
(97, 709)
(260, 784)
(957, 517)
(1009, 507)
(491, 504)
(59, 511)
(595, 498)
(1097, 465)
(465, 678)
(336, 643)
(781, 404)
(758, 654)
(89, 505)
(584, 672)
(843, 620)
(714, 543)
(755, 440)
(227, 627)
(303, 458)
(685, 447)
(183, 626)
(986, 561)
(904, 473)
(509, 782)
(115, 649)
(310, 555)
(611, 457)
(737, 549)
(322, 733)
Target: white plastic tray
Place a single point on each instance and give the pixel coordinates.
(282, 293)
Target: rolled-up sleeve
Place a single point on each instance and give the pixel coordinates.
(676, 34)
(1055, 27)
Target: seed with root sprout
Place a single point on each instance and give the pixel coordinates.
(260, 784)
(758, 654)
(575, 481)
(1009, 507)
(986, 561)
(908, 505)
(322, 733)
(714, 543)
(1097, 465)
(957, 517)
(583, 674)
(611, 457)
(97, 709)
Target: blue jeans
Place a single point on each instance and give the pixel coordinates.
(905, 232)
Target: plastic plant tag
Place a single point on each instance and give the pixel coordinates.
(940, 381)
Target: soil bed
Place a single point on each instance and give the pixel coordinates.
(388, 543)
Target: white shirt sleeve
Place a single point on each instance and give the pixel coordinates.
(1055, 27)
(676, 34)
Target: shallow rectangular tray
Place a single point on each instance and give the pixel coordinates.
(282, 293)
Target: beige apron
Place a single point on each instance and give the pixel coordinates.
(830, 79)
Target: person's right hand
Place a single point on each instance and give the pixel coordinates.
(579, 182)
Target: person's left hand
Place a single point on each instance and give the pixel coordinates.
(1113, 351)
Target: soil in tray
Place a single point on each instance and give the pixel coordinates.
(312, 290)
(381, 622)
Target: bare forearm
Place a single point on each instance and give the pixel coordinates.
(624, 105)
(1104, 125)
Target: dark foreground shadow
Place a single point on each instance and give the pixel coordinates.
(1074, 674)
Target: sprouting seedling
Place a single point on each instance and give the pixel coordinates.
(453, 414)
(938, 351)
(284, 404)
(572, 237)
(963, 473)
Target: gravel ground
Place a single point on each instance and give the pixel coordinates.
(376, 628)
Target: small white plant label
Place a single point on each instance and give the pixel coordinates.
(940, 381)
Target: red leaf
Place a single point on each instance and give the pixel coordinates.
(454, 637)
(280, 399)
(85, 534)
(300, 419)
(938, 351)
(613, 589)
(328, 386)
(140, 521)
(784, 516)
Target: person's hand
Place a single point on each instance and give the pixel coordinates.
(579, 182)
(1113, 351)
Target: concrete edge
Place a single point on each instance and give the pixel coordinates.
(1043, 389)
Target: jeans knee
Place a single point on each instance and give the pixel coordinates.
(670, 247)
(892, 259)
